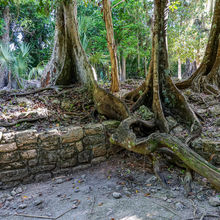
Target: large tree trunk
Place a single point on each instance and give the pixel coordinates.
(107, 15)
(123, 75)
(159, 93)
(190, 68)
(158, 90)
(69, 64)
(4, 80)
(68, 61)
(207, 77)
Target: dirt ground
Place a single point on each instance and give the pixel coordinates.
(121, 188)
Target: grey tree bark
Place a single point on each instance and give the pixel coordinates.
(69, 64)
(107, 16)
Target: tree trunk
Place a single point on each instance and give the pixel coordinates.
(145, 66)
(69, 64)
(123, 75)
(158, 91)
(4, 80)
(107, 15)
(138, 57)
(207, 77)
(119, 66)
(69, 60)
(190, 68)
(179, 69)
(160, 94)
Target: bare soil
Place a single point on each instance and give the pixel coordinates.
(88, 194)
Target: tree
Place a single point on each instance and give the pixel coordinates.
(5, 75)
(207, 77)
(69, 64)
(160, 94)
(107, 16)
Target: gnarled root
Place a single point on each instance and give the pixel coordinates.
(109, 105)
(188, 181)
(157, 170)
(139, 95)
(205, 79)
(126, 138)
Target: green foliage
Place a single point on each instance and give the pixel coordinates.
(33, 22)
(187, 31)
(16, 61)
(145, 113)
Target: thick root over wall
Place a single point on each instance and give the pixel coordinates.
(126, 138)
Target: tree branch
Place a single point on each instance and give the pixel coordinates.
(118, 3)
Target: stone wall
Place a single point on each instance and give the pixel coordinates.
(28, 156)
(209, 149)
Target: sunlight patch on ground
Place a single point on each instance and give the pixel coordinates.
(134, 217)
(22, 107)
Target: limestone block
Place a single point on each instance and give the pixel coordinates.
(84, 156)
(48, 157)
(206, 145)
(67, 153)
(8, 137)
(9, 157)
(92, 129)
(79, 146)
(72, 134)
(49, 139)
(11, 175)
(215, 110)
(99, 150)
(98, 160)
(26, 139)
(42, 168)
(8, 147)
(92, 140)
(81, 167)
(29, 154)
(14, 165)
(42, 177)
(69, 163)
(32, 162)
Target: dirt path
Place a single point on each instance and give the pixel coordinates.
(89, 195)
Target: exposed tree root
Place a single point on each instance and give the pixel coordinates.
(169, 102)
(126, 138)
(109, 105)
(10, 124)
(188, 181)
(157, 170)
(55, 88)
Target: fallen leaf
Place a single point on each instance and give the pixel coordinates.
(146, 194)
